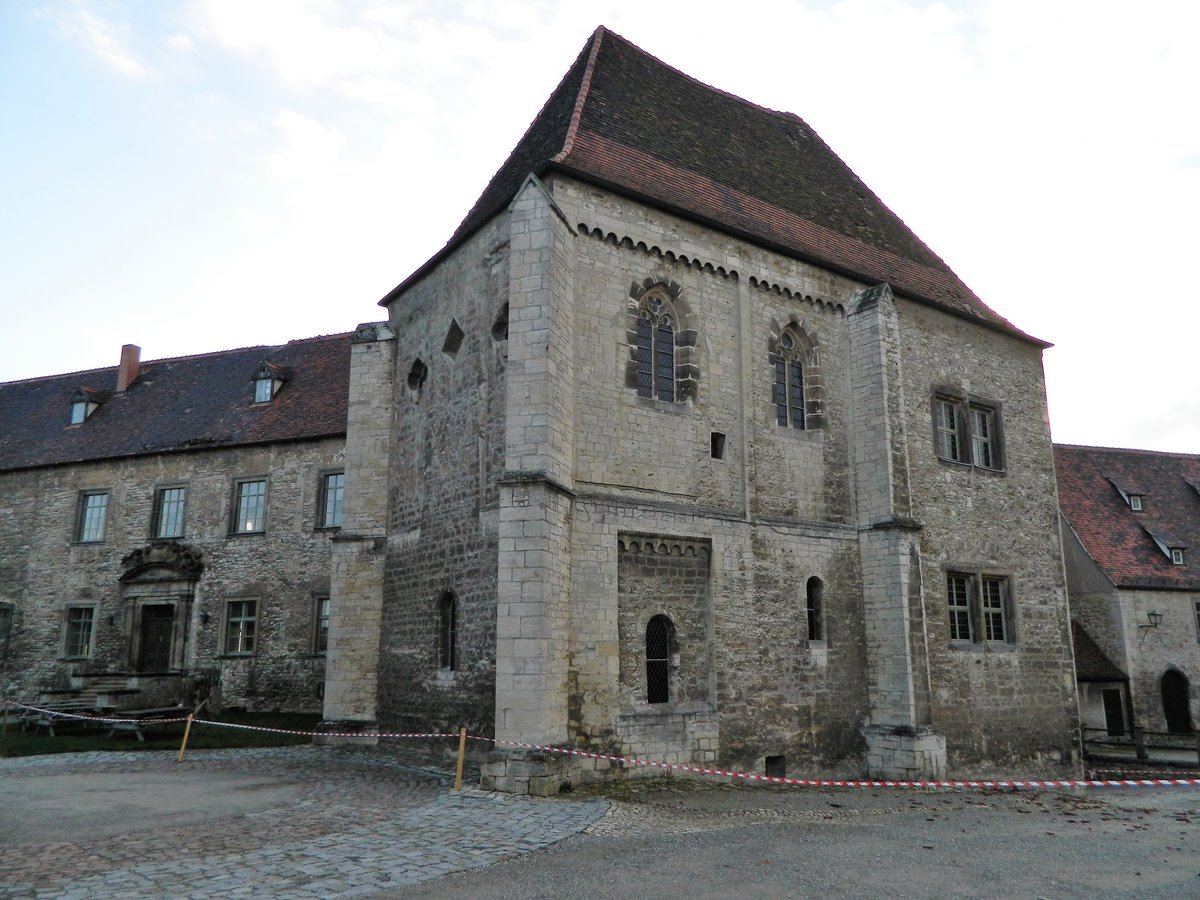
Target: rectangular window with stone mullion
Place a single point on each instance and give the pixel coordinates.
(250, 507)
(79, 626)
(958, 599)
(995, 609)
(240, 625)
(333, 488)
(170, 504)
(967, 430)
(93, 510)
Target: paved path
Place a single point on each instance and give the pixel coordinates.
(296, 822)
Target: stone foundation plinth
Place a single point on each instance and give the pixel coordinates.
(331, 732)
(532, 772)
(905, 753)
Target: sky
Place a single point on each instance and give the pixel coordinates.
(200, 175)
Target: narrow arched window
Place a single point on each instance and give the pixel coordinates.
(448, 632)
(656, 353)
(789, 382)
(815, 597)
(660, 636)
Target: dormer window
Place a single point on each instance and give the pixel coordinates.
(1130, 494)
(85, 402)
(268, 378)
(1170, 545)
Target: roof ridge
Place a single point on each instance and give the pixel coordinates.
(581, 98)
(1137, 451)
(209, 354)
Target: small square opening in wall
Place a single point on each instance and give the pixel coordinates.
(454, 339)
(716, 445)
(777, 766)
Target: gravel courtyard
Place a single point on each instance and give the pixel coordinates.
(324, 822)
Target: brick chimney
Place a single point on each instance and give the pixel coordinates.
(130, 367)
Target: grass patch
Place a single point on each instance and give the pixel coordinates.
(204, 736)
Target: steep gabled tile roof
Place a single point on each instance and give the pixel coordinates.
(624, 120)
(1120, 539)
(188, 403)
(1091, 663)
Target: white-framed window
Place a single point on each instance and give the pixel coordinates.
(333, 490)
(170, 507)
(321, 629)
(1177, 556)
(980, 608)
(958, 599)
(264, 390)
(967, 430)
(90, 519)
(79, 624)
(241, 620)
(995, 608)
(250, 506)
(79, 411)
(1135, 502)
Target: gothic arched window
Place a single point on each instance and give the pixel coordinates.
(662, 340)
(796, 391)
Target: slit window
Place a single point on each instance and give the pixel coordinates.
(814, 592)
(448, 632)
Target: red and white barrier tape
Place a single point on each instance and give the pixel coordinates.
(810, 782)
(60, 714)
(1023, 784)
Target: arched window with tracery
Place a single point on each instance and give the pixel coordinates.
(656, 351)
(662, 343)
(660, 639)
(797, 388)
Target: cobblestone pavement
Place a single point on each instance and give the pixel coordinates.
(331, 822)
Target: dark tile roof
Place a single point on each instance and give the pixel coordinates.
(193, 402)
(1115, 536)
(625, 120)
(1091, 663)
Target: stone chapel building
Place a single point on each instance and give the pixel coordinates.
(685, 447)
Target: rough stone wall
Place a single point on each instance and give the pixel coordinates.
(775, 509)
(285, 569)
(446, 448)
(995, 704)
(1174, 644)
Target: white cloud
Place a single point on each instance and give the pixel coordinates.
(104, 40)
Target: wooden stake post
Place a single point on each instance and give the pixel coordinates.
(187, 730)
(462, 752)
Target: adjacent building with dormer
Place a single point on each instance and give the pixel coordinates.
(165, 525)
(1131, 538)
